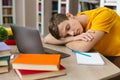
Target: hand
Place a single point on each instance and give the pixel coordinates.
(87, 36)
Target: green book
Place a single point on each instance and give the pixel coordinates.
(4, 61)
(5, 58)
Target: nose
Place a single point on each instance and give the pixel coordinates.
(71, 33)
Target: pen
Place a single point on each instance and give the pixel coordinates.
(77, 52)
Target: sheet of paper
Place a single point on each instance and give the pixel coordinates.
(95, 59)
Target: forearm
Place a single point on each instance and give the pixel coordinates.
(84, 46)
(49, 39)
(80, 46)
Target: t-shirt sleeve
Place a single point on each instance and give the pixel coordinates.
(102, 21)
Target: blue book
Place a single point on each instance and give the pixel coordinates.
(4, 46)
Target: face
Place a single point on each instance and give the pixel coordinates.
(70, 27)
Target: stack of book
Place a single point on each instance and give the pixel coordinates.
(4, 57)
(38, 66)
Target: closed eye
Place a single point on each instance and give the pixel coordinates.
(67, 27)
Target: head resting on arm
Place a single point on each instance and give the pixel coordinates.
(55, 20)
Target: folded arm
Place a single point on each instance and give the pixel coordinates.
(84, 37)
(49, 39)
(81, 45)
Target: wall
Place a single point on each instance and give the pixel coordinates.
(20, 12)
(26, 13)
(30, 13)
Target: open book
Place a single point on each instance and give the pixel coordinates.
(89, 58)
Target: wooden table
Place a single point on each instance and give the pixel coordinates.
(74, 71)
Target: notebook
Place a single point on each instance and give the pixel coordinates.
(89, 58)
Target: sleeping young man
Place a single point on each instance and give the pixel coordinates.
(97, 29)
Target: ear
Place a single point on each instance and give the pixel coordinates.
(69, 15)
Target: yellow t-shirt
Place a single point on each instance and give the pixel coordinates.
(106, 20)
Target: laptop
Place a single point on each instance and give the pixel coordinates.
(28, 40)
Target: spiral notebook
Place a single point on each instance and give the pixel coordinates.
(89, 58)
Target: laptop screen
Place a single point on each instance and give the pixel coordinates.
(27, 39)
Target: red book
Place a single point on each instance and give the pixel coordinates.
(33, 74)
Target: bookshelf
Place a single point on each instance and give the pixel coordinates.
(7, 12)
(36, 13)
(40, 16)
(67, 6)
(44, 10)
(54, 6)
(113, 4)
(84, 5)
(63, 6)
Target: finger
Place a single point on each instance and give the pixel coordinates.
(84, 39)
(87, 36)
(80, 38)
